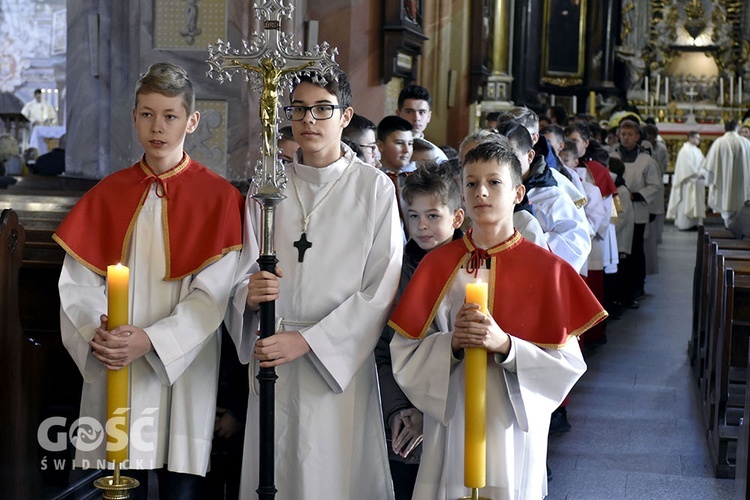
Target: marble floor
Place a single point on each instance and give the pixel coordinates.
(637, 432)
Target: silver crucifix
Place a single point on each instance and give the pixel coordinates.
(271, 62)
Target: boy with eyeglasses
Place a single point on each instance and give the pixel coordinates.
(362, 132)
(339, 244)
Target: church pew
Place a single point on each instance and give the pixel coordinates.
(48, 383)
(731, 373)
(705, 298)
(714, 326)
(704, 236)
(701, 289)
(742, 469)
(15, 445)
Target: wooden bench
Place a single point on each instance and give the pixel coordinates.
(15, 442)
(704, 298)
(699, 282)
(731, 370)
(742, 469)
(714, 324)
(46, 382)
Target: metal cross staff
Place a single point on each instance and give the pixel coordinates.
(270, 62)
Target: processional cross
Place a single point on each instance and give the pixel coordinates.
(270, 62)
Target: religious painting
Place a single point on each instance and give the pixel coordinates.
(402, 38)
(412, 11)
(59, 32)
(563, 42)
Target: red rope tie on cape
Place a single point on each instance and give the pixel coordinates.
(159, 184)
(478, 255)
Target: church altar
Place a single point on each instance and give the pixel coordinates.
(41, 134)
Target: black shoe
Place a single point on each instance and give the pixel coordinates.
(615, 310)
(633, 304)
(559, 421)
(640, 295)
(549, 474)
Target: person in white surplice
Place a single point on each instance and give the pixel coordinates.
(39, 112)
(332, 301)
(537, 306)
(687, 200)
(180, 284)
(728, 166)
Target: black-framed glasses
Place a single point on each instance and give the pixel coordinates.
(371, 147)
(318, 112)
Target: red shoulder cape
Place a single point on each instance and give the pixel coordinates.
(202, 215)
(533, 294)
(601, 176)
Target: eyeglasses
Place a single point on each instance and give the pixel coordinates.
(318, 112)
(371, 147)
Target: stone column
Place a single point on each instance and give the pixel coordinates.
(500, 79)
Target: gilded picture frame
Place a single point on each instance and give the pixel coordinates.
(564, 42)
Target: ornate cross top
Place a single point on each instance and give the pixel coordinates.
(271, 62)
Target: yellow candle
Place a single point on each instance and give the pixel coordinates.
(118, 381)
(592, 103)
(475, 432)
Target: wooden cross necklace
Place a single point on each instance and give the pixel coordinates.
(302, 244)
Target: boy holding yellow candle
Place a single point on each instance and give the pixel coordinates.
(178, 227)
(538, 305)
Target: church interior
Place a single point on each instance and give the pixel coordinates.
(650, 419)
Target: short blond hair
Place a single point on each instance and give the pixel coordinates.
(167, 79)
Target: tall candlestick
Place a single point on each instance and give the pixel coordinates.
(575, 104)
(645, 89)
(552, 100)
(721, 91)
(657, 89)
(592, 103)
(118, 381)
(666, 90)
(475, 431)
(731, 91)
(739, 91)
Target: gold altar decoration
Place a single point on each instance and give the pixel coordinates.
(687, 61)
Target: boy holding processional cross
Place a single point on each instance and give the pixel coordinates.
(538, 305)
(339, 245)
(178, 227)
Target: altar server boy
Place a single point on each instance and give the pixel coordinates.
(538, 306)
(178, 226)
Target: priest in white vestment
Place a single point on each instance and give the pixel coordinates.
(687, 200)
(728, 166)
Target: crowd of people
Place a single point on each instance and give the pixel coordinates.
(380, 234)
